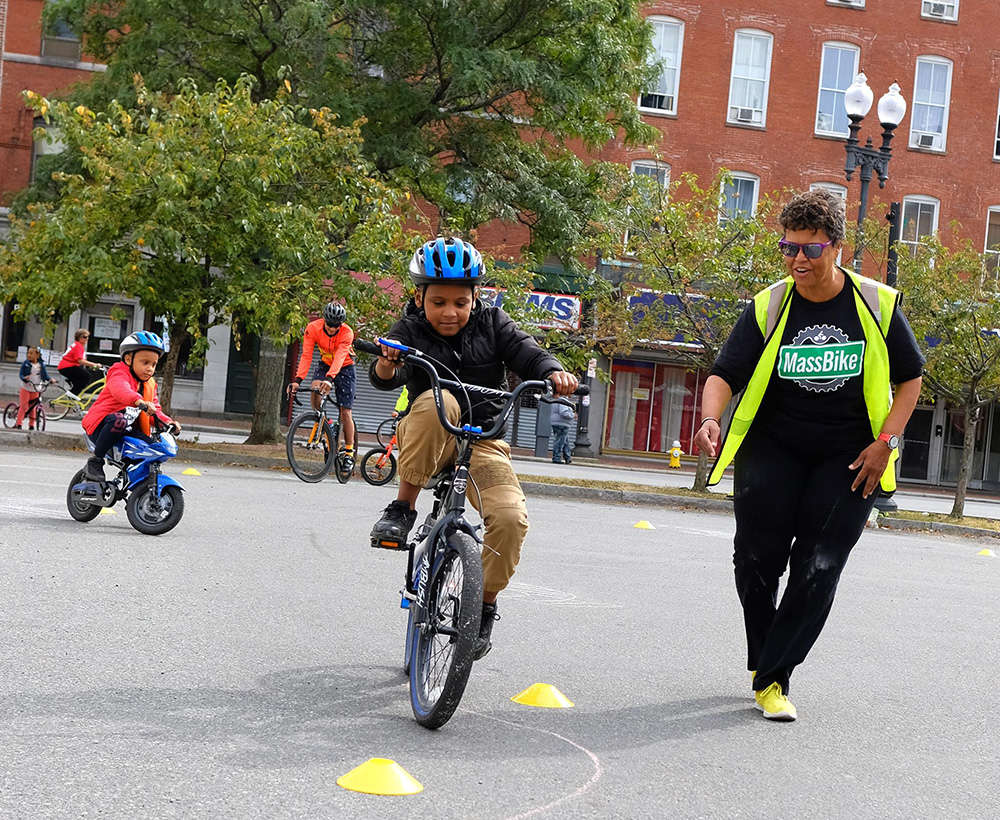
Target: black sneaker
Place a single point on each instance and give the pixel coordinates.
(391, 530)
(94, 471)
(483, 643)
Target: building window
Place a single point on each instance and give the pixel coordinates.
(839, 190)
(750, 77)
(59, 40)
(996, 142)
(854, 4)
(931, 98)
(992, 247)
(50, 142)
(668, 42)
(920, 220)
(652, 170)
(739, 197)
(837, 71)
(650, 406)
(939, 9)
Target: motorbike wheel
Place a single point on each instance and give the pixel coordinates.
(81, 512)
(152, 516)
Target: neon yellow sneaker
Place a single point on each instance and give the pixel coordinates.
(773, 703)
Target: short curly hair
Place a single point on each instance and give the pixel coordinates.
(818, 210)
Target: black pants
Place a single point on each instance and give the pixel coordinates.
(78, 377)
(112, 429)
(793, 509)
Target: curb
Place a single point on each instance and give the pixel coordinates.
(625, 497)
(889, 523)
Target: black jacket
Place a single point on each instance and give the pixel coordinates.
(488, 344)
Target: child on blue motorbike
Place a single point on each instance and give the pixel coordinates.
(130, 383)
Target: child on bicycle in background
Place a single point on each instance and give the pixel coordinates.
(130, 384)
(477, 343)
(335, 369)
(33, 377)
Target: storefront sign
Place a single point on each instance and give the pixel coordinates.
(107, 329)
(564, 308)
(640, 393)
(592, 368)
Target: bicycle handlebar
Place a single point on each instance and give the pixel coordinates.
(422, 361)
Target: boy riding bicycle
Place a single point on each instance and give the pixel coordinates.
(335, 369)
(130, 384)
(477, 343)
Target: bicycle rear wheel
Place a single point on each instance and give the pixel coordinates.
(443, 647)
(378, 467)
(310, 447)
(10, 415)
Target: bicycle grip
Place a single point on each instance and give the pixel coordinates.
(582, 390)
(367, 347)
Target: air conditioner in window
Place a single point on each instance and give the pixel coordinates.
(926, 140)
(748, 115)
(936, 9)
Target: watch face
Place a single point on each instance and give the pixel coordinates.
(893, 442)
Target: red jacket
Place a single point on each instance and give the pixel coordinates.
(121, 391)
(335, 349)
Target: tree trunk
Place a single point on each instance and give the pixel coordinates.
(965, 470)
(178, 336)
(269, 380)
(701, 474)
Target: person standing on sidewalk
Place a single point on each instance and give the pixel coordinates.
(562, 416)
(813, 437)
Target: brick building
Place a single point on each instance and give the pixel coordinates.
(757, 88)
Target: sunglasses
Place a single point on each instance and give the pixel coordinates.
(812, 250)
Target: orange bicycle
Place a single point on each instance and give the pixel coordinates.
(378, 466)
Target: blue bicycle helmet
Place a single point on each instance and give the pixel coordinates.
(141, 340)
(446, 261)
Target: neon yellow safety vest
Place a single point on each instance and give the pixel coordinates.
(875, 303)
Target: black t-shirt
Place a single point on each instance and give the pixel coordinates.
(816, 393)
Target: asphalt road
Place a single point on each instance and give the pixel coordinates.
(235, 667)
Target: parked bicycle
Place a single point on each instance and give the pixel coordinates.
(35, 413)
(378, 466)
(443, 591)
(153, 501)
(314, 443)
(68, 402)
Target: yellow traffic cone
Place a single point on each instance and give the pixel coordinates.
(108, 511)
(544, 695)
(643, 525)
(380, 776)
(190, 471)
(987, 553)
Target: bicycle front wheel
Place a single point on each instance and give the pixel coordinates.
(310, 448)
(378, 467)
(58, 408)
(443, 646)
(39, 418)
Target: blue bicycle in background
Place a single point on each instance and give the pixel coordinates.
(154, 502)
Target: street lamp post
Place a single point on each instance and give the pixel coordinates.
(891, 108)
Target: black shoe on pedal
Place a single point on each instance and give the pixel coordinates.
(391, 530)
(94, 471)
(483, 643)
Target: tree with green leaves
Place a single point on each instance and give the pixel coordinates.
(685, 271)
(953, 306)
(208, 206)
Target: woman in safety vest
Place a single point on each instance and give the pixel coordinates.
(814, 434)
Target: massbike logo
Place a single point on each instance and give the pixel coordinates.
(821, 359)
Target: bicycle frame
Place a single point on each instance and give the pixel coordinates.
(326, 398)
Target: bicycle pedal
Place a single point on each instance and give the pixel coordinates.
(389, 544)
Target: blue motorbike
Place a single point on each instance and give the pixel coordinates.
(154, 502)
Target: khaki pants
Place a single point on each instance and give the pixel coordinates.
(425, 448)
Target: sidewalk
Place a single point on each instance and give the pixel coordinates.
(228, 435)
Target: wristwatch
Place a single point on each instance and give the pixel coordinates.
(891, 441)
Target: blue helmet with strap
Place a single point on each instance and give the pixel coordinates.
(446, 262)
(141, 340)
